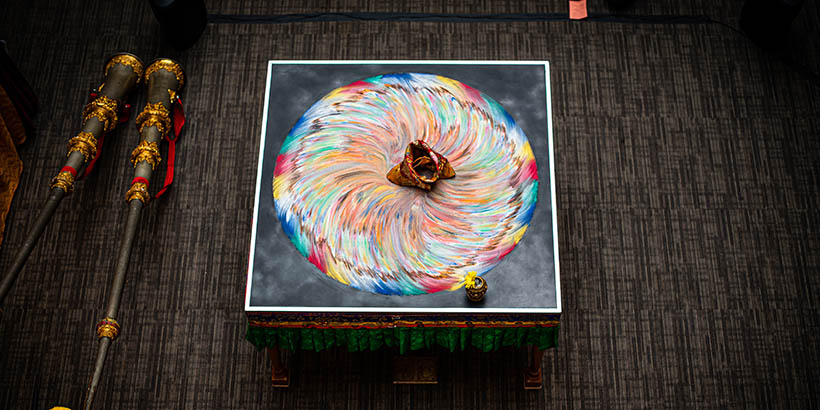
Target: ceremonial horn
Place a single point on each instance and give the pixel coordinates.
(164, 78)
(122, 72)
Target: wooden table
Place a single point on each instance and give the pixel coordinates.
(292, 304)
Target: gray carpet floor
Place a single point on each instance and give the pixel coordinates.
(688, 168)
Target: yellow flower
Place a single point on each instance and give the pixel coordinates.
(469, 280)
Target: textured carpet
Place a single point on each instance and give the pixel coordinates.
(688, 168)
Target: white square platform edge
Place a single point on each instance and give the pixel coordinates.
(307, 309)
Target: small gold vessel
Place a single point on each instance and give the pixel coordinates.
(475, 286)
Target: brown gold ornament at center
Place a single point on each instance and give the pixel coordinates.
(421, 167)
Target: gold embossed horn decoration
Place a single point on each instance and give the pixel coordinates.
(161, 119)
(103, 112)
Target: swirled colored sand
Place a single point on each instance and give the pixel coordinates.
(340, 211)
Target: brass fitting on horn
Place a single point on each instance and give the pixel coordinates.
(164, 78)
(123, 71)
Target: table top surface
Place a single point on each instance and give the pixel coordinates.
(281, 279)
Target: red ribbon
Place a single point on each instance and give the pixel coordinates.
(140, 179)
(124, 114)
(90, 166)
(70, 170)
(179, 116)
(179, 121)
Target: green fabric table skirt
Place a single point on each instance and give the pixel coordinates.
(405, 338)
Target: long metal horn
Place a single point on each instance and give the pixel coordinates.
(165, 79)
(122, 72)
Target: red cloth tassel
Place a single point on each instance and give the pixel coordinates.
(179, 121)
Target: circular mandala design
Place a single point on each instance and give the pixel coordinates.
(336, 205)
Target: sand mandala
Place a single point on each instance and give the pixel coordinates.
(337, 206)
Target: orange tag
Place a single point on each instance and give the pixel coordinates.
(577, 9)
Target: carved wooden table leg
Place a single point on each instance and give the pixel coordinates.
(413, 369)
(280, 375)
(532, 374)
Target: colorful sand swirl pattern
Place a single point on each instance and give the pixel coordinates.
(340, 211)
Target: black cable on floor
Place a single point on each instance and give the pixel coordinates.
(448, 18)
(493, 18)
